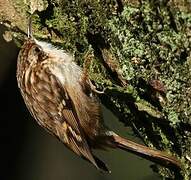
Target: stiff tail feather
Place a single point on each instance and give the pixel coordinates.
(148, 153)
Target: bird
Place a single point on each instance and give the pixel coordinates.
(62, 99)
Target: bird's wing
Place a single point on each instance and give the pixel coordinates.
(75, 135)
(52, 107)
(53, 101)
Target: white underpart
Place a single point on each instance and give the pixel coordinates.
(50, 49)
(62, 65)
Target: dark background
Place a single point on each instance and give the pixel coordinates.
(30, 153)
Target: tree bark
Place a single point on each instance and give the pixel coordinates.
(140, 53)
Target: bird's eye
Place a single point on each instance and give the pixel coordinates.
(37, 50)
(39, 53)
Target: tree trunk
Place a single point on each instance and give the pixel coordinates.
(139, 51)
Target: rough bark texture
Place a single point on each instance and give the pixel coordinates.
(140, 52)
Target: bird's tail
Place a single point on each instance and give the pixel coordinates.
(156, 156)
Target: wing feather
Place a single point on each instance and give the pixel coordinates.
(53, 103)
(52, 106)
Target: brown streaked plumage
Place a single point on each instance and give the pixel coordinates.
(63, 102)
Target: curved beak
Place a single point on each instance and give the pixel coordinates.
(29, 30)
